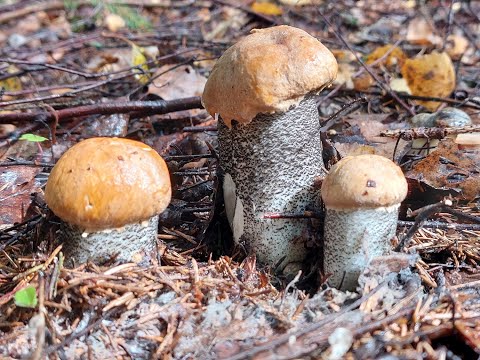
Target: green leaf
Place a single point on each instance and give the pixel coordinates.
(27, 297)
(132, 17)
(71, 5)
(96, 44)
(32, 138)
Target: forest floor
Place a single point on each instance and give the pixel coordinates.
(71, 70)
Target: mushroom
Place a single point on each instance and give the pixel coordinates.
(109, 192)
(362, 195)
(469, 145)
(469, 142)
(263, 90)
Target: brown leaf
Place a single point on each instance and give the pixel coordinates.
(449, 168)
(16, 185)
(363, 82)
(177, 83)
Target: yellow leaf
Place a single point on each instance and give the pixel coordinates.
(13, 83)
(456, 46)
(266, 8)
(395, 56)
(139, 60)
(400, 85)
(430, 75)
(301, 2)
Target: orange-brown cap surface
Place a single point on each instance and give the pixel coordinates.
(268, 71)
(363, 181)
(103, 183)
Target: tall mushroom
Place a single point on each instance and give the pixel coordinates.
(263, 90)
(109, 192)
(362, 195)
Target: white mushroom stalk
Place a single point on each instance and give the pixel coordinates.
(273, 167)
(108, 193)
(269, 137)
(132, 242)
(362, 195)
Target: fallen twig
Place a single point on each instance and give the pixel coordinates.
(187, 157)
(428, 133)
(442, 225)
(16, 162)
(138, 108)
(344, 111)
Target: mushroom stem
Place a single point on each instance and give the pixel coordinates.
(132, 242)
(270, 165)
(353, 239)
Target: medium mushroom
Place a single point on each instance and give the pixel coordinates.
(263, 90)
(362, 196)
(109, 192)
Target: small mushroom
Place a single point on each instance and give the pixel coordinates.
(109, 192)
(362, 195)
(469, 142)
(263, 88)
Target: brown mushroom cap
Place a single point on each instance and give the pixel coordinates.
(364, 181)
(268, 71)
(104, 183)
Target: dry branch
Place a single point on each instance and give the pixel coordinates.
(136, 108)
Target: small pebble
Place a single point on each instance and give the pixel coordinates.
(17, 40)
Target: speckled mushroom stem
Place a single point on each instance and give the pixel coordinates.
(353, 238)
(270, 165)
(133, 242)
(225, 148)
